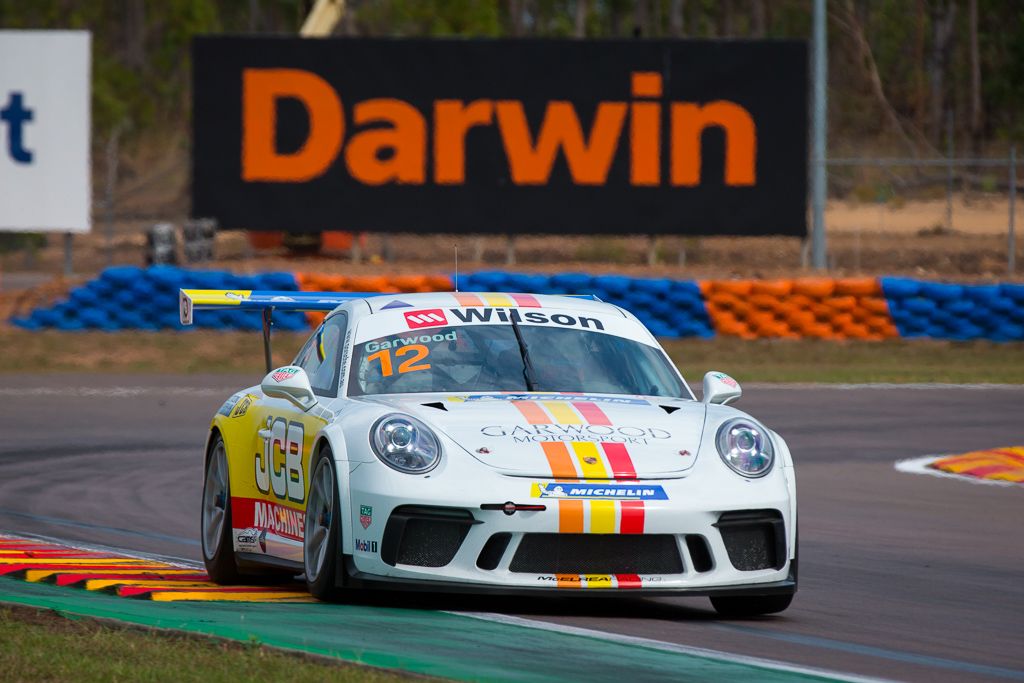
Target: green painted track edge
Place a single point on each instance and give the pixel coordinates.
(489, 650)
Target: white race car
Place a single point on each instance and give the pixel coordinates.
(489, 442)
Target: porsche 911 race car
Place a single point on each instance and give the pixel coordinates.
(490, 442)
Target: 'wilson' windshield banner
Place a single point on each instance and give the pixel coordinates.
(516, 136)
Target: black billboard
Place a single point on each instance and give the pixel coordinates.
(515, 136)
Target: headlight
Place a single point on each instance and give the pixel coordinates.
(405, 443)
(745, 447)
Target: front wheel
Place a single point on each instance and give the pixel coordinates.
(218, 550)
(322, 535)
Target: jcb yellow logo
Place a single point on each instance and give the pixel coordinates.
(279, 466)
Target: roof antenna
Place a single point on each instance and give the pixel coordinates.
(456, 267)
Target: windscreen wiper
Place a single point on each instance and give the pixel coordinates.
(531, 385)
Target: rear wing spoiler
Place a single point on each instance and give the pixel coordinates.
(191, 300)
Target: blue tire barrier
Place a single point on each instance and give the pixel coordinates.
(954, 311)
(127, 297)
(131, 298)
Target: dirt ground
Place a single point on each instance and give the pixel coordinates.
(972, 214)
(896, 238)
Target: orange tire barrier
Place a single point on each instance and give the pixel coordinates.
(816, 307)
(865, 286)
(821, 308)
(816, 288)
(774, 288)
(314, 282)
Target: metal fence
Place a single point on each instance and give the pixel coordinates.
(914, 176)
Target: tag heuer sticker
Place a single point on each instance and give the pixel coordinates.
(365, 516)
(281, 374)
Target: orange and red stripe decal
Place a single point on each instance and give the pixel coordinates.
(533, 413)
(465, 299)
(598, 580)
(569, 580)
(618, 458)
(570, 516)
(592, 413)
(632, 513)
(525, 300)
(586, 460)
(627, 580)
(554, 411)
(601, 516)
(559, 460)
(497, 299)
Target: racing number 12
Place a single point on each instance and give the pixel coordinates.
(412, 364)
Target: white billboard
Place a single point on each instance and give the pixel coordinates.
(44, 131)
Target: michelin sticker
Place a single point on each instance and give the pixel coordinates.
(599, 491)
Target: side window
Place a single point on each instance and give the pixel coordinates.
(319, 357)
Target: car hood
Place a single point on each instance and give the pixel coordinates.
(565, 436)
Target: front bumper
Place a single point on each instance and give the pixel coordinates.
(690, 513)
(362, 581)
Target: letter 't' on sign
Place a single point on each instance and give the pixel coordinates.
(261, 89)
(16, 115)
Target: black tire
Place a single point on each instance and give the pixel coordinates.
(752, 606)
(322, 538)
(215, 517)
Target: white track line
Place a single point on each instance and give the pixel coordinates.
(664, 646)
(921, 466)
(116, 392)
(144, 390)
(884, 386)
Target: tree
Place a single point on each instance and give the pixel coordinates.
(580, 24)
(758, 18)
(976, 108)
(676, 25)
(943, 16)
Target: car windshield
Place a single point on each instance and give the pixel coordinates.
(487, 358)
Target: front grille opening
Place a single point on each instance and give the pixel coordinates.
(597, 554)
(700, 553)
(423, 536)
(754, 539)
(494, 550)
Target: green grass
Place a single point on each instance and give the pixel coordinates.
(898, 361)
(783, 360)
(37, 645)
(191, 352)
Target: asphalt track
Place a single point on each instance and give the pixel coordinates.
(902, 576)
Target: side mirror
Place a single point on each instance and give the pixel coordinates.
(290, 382)
(720, 388)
